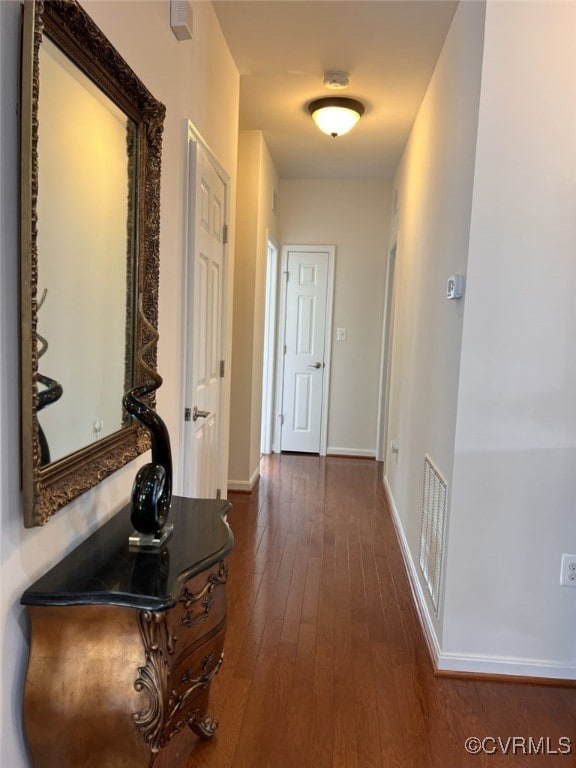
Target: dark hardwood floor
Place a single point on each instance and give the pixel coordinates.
(325, 663)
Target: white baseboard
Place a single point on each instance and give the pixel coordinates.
(463, 663)
(505, 666)
(360, 452)
(246, 486)
(422, 607)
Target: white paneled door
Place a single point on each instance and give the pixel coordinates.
(205, 287)
(306, 348)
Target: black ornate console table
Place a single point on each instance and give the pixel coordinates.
(124, 644)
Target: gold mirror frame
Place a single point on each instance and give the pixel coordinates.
(46, 489)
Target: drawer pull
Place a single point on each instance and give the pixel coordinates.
(178, 702)
(189, 620)
(204, 678)
(222, 576)
(214, 580)
(204, 596)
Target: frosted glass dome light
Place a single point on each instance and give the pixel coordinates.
(335, 116)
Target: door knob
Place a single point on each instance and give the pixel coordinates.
(314, 365)
(196, 414)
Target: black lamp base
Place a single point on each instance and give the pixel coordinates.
(150, 542)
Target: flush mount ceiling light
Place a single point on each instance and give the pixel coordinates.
(335, 115)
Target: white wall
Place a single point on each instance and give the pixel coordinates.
(514, 488)
(434, 184)
(257, 223)
(196, 80)
(353, 215)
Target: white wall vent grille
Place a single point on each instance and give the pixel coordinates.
(432, 528)
(181, 19)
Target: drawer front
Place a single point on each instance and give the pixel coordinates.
(190, 681)
(201, 607)
(195, 670)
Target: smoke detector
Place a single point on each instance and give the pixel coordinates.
(336, 81)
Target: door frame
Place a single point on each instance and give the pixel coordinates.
(270, 342)
(330, 250)
(386, 355)
(195, 141)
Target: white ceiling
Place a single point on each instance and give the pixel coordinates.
(283, 47)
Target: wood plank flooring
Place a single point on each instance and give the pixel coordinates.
(325, 664)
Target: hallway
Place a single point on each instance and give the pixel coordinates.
(325, 663)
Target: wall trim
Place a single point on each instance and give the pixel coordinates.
(472, 666)
(511, 669)
(420, 602)
(365, 453)
(245, 486)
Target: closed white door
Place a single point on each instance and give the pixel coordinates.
(305, 349)
(205, 291)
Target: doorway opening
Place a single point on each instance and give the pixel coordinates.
(269, 356)
(205, 279)
(386, 360)
(304, 346)
(297, 322)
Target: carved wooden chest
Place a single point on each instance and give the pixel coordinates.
(124, 645)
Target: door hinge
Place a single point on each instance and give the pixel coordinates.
(218, 493)
(222, 366)
(281, 416)
(225, 234)
(287, 275)
(285, 349)
(187, 414)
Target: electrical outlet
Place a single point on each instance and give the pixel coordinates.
(568, 571)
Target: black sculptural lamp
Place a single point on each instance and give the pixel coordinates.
(152, 489)
(52, 392)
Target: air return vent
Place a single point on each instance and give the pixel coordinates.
(432, 528)
(181, 19)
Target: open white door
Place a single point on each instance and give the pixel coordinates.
(308, 272)
(205, 285)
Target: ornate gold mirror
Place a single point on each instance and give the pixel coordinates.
(90, 164)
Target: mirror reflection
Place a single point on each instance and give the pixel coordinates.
(84, 242)
(90, 159)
